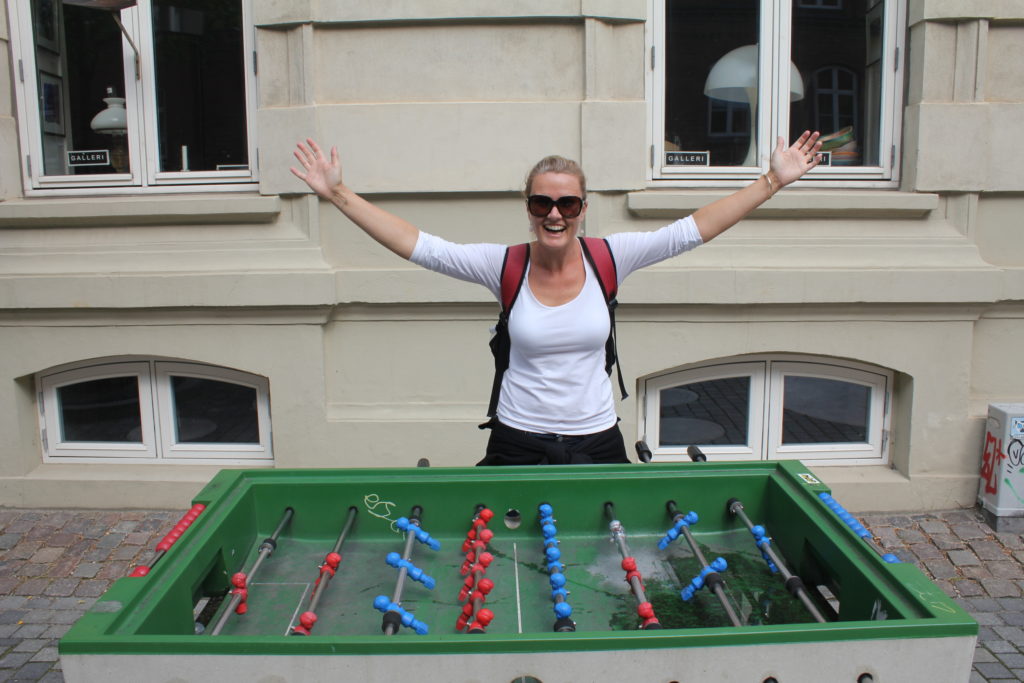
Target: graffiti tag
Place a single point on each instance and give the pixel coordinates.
(990, 462)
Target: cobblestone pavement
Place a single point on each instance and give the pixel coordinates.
(54, 564)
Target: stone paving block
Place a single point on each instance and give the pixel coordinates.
(47, 654)
(1013, 618)
(87, 570)
(12, 601)
(988, 550)
(31, 630)
(1000, 646)
(1013, 660)
(1005, 570)
(12, 616)
(1000, 588)
(911, 536)
(14, 660)
(926, 551)
(989, 619)
(970, 531)
(1011, 541)
(933, 526)
(992, 670)
(92, 588)
(64, 587)
(983, 605)
(111, 540)
(1012, 634)
(982, 654)
(963, 558)
(979, 572)
(968, 588)
(31, 645)
(23, 551)
(948, 542)
(8, 541)
(32, 671)
(941, 569)
(976, 678)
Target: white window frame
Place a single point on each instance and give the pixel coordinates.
(172, 448)
(54, 444)
(767, 374)
(140, 103)
(157, 414)
(774, 38)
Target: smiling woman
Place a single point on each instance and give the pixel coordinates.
(554, 402)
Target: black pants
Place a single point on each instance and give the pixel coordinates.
(508, 446)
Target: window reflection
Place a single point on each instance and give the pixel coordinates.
(818, 410)
(714, 412)
(101, 410)
(209, 411)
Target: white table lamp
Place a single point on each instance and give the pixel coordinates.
(733, 78)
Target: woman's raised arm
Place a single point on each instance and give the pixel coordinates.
(323, 175)
(787, 165)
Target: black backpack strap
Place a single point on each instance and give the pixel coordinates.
(602, 261)
(513, 273)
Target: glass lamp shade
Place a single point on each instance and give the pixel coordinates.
(113, 120)
(734, 77)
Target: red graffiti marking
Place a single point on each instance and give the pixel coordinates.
(990, 461)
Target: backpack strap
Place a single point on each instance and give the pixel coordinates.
(599, 254)
(513, 274)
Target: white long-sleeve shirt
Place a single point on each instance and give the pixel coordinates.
(556, 381)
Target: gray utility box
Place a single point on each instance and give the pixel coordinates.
(1001, 486)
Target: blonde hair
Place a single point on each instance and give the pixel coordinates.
(556, 164)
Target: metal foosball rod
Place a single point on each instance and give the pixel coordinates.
(241, 581)
(709, 572)
(554, 566)
(476, 587)
(794, 584)
(394, 614)
(327, 570)
(644, 608)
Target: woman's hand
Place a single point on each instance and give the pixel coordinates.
(323, 175)
(789, 163)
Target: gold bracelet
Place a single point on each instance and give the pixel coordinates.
(771, 185)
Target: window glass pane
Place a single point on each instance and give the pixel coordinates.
(208, 411)
(80, 80)
(200, 85)
(715, 412)
(817, 410)
(837, 48)
(101, 410)
(711, 77)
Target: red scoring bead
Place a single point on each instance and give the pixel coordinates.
(163, 546)
(141, 570)
(629, 564)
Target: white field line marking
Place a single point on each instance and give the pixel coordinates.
(515, 564)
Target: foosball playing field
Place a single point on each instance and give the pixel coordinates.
(661, 573)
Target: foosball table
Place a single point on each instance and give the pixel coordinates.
(660, 572)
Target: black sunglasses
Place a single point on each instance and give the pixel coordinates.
(540, 205)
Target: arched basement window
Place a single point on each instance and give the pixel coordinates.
(154, 411)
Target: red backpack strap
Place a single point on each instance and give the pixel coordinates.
(513, 272)
(599, 254)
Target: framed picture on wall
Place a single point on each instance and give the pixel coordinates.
(47, 17)
(51, 103)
